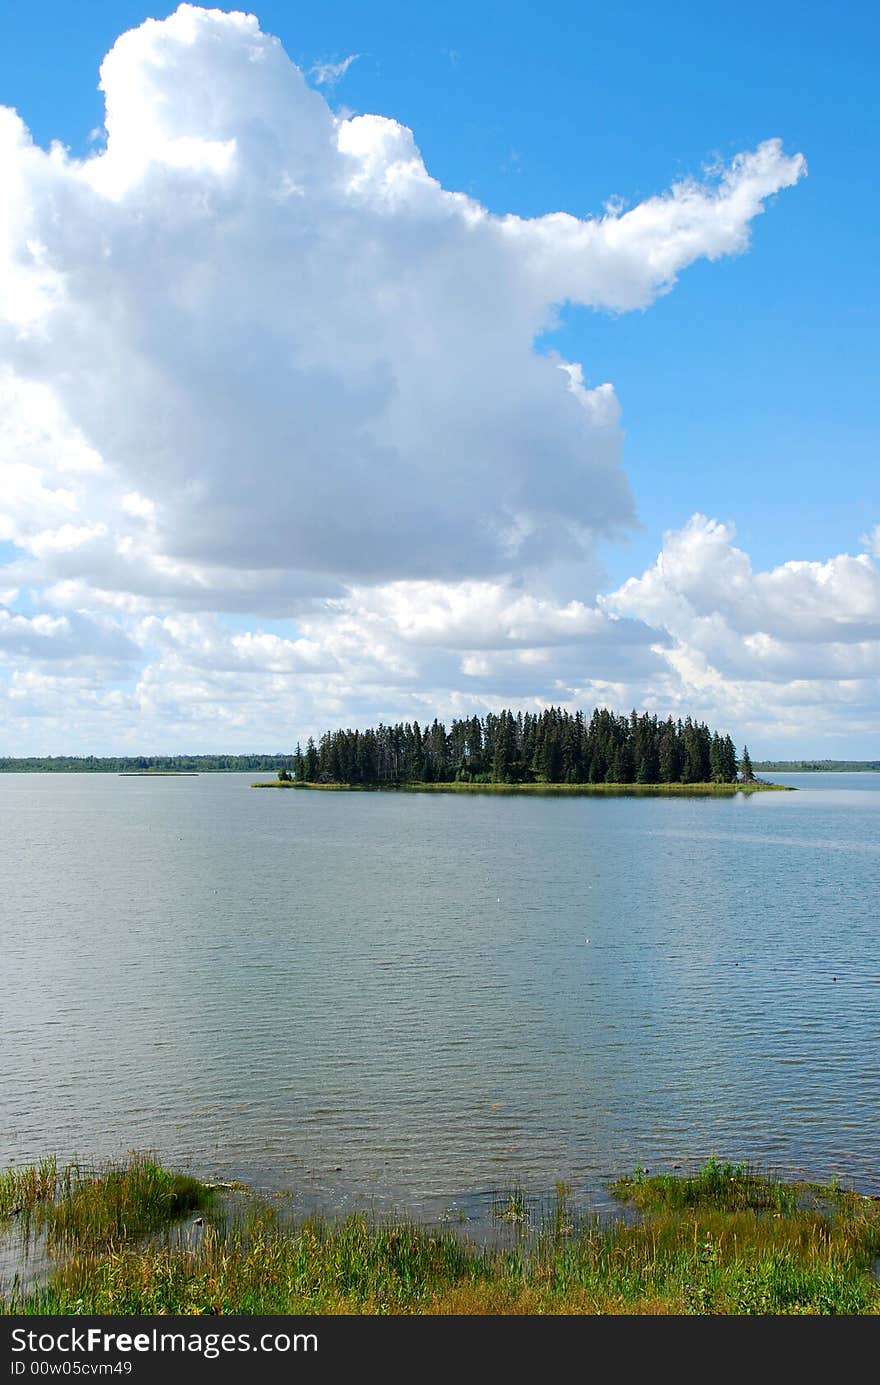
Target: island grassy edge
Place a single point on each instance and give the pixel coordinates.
(586, 790)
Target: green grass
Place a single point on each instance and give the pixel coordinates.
(726, 1240)
(77, 1207)
(22, 1189)
(599, 790)
(719, 1184)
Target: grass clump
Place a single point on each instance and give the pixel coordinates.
(122, 1200)
(720, 1184)
(73, 1206)
(22, 1189)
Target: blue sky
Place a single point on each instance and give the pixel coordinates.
(747, 392)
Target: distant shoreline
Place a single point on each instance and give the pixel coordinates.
(538, 790)
(816, 766)
(144, 764)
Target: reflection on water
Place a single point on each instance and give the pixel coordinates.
(413, 1001)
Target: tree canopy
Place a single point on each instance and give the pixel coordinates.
(554, 746)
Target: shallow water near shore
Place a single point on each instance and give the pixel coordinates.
(414, 1001)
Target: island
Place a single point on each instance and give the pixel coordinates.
(550, 752)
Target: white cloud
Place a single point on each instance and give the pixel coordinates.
(691, 636)
(703, 591)
(476, 615)
(255, 359)
(871, 540)
(793, 652)
(67, 538)
(275, 326)
(68, 637)
(140, 506)
(327, 74)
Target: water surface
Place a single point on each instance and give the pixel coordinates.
(413, 1000)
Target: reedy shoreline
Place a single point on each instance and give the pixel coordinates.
(726, 1240)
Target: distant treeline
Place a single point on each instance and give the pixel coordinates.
(816, 766)
(121, 764)
(554, 746)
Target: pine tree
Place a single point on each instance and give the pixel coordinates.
(716, 759)
(551, 755)
(668, 758)
(745, 767)
(505, 748)
(311, 765)
(621, 769)
(692, 769)
(729, 761)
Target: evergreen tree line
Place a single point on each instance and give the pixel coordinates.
(122, 764)
(553, 746)
(817, 766)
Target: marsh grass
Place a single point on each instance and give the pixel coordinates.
(720, 1184)
(514, 1209)
(263, 1268)
(537, 790)
(119, 1201)
(77, 1207)
(22, 1189)
(727, 1240)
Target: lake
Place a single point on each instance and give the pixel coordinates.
(412, 1001)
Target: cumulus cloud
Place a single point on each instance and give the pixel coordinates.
(479, 615)
(277, 328)
(702, 590)
(256, 362)
(63, 637)
(782, 651)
